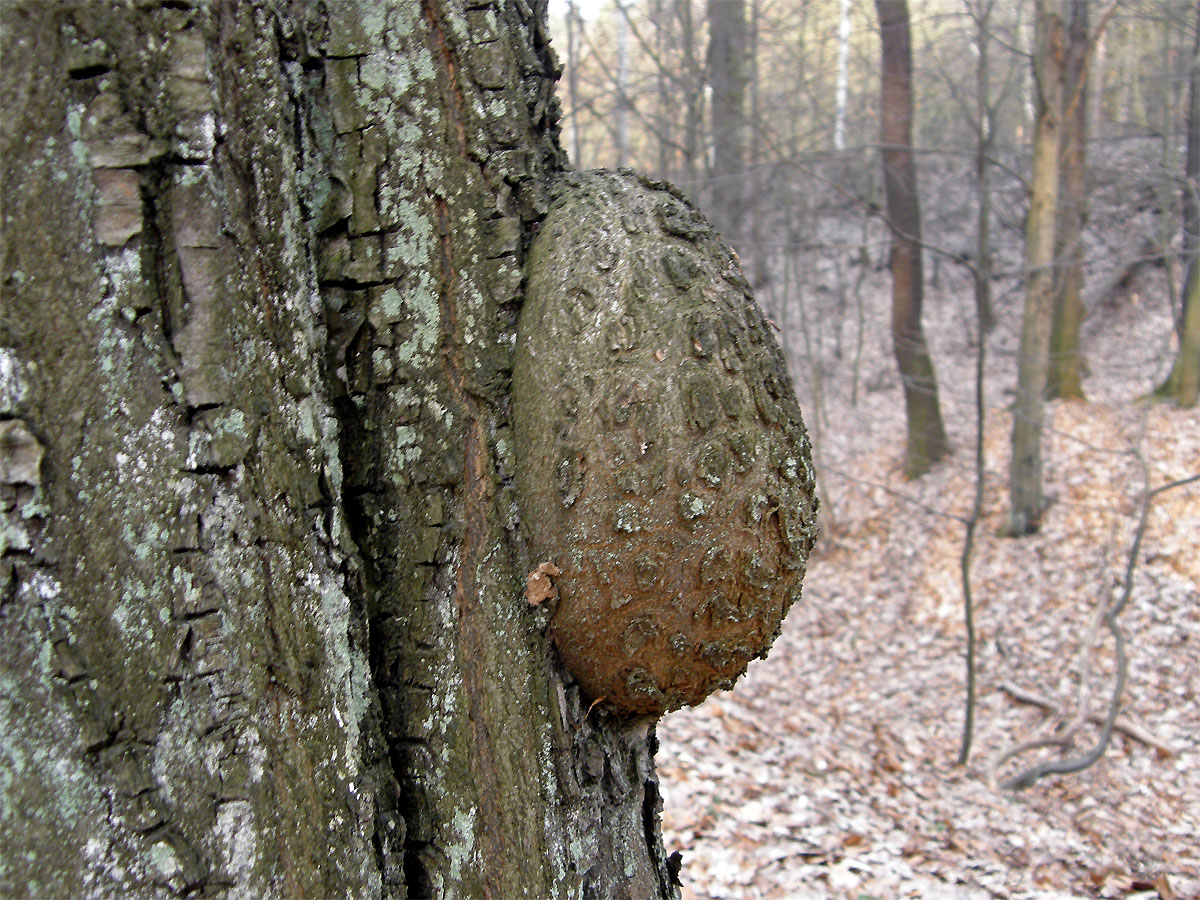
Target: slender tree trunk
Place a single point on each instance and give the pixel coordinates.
(758, 181)
(984, 141)
(693, 98)
(842, 89)
(727, 77)
(1170, 157)
(1028, 79)
(622, 110)
(927, 441)
(1067, 366)
(1098, 71)
(574, 27)
(666, 102)
(263, 632)
(1183, 384)
(1025, 474)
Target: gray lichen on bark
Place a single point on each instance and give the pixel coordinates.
(180, 615)
(263, 632)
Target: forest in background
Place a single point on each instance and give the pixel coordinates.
(771, 122)
(768, 115)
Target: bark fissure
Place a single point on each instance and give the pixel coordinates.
(452, 90)
(477, 508)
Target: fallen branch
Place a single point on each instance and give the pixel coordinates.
(1108, 722)
(1124, 726)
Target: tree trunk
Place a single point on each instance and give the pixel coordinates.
(574, 27)
(727, 77)
(665, 102)
(1066, 365)
(692, 80)
(926, 434)
(1025, 474)
(1183, 384)
(985, 121)
(1099, 68)
(842, 88)
(263, 626)
(622, 86)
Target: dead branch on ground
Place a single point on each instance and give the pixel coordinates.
(1109, 719)
(1124, 726)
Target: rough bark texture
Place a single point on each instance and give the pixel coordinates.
(261, 619)
(186, 701)
(1067, 367)
(1025, 471)
(662, 464)
(927, 441)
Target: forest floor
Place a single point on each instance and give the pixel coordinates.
(829, 771)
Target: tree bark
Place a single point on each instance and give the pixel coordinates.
(1182, 386)
(727, 75)
(927, 441)
(1025, 474)
(261, 585)
(1067, 366)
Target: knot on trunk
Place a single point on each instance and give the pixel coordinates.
(662, 462)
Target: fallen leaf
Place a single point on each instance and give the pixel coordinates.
(1158, 883)
(538, 587)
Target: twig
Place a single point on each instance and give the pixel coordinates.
(1127, 728)
(892, 492)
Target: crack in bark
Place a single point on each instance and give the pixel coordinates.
(476, 501)
(456, 104)
(476, 507)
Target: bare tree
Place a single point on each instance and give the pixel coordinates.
(1183, 384)
(927, 441)
(727, 75)
(574, 25)
(1049, 74)
(843, 77)
(1064, 377)
(622, 86)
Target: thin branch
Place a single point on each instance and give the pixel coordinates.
(972, 521)
(899, 495)
(1078, 764)
(1127, 728)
